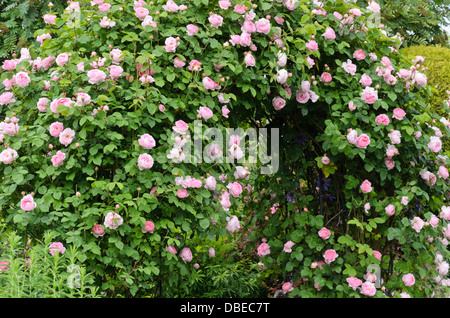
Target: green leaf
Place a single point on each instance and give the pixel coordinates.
(204, 223)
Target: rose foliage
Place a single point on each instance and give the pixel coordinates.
(100, 122)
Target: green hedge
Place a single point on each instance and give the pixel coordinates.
(438, 73)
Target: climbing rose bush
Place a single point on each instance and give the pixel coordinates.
(101, 114)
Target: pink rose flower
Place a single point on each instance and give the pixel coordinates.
(171, 249)
(434, 221)
(263, 26)
(115, 71)
(408, 279)
(67, 136)
(404, 73)
(4, 265)
(116, 56)
(42, 104)
(8, 155)
(83, 99)
(398, 113)
(9, 83)
(41, 38)
(329, 34)
(240, 9)
(9, 65)
(349, 67)
(204, 112)
(194, 65)
(278, 102)
(22, 79)
(351, 105)
(362, 141)
(210, 183)
(104, 7)
(390, 164)
(366, 186)
(419, 78)
(382, 119)
(178, 63)
(263, 249)
(312, 45)
(58, 158)
(325, 160)
(145, 161)
(443, 172)
(353, 282)
(149, 227)
(171, 44)
(62, 59)
(324, 233)
(365, 80)
(287, 287)
(245, 39)
(249, 60)
(225, 201)
(215, 20)
(395, 136)
(233, 224)
(352, 136)
(10, 129)
(107, 23)
(235, 189)
(435, 144)
(373, 6)
(6, 98)
(211, 252)
(191, 29)
(377, 254)
(60, 101)
(248, 26)
(368, 289)
(390, 209)
(171, 6)
(49, 18)
(330, 255)
(369, 95)
(56, 128)
(141, 13)
(27, 203)
(180, 127)
(147, 141)
(282, 76)
(182, 193)
(417, 224)
(113, 220)
(359, 55)
(186, 255)
(325, 77)
(287, 247)
(209, 84)
(57, 247)
(96, 76)
(98, 230)
(224, 4)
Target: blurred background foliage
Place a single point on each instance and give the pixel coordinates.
(19, 19)
(419, 22)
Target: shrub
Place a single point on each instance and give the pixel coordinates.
(436, 62)
(97, 140)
